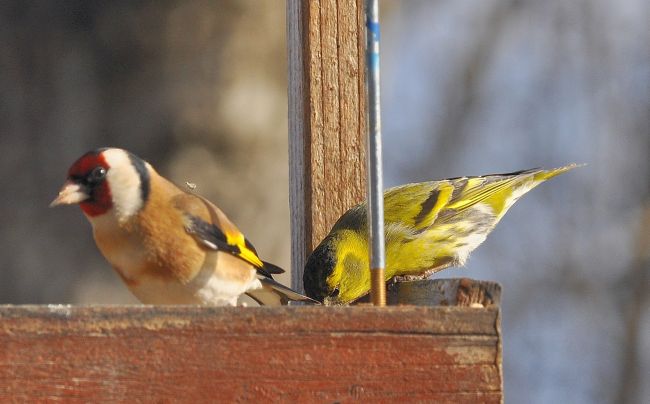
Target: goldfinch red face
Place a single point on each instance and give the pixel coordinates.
(106, 180)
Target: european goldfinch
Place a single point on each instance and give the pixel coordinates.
(169, 246)
(428, 227)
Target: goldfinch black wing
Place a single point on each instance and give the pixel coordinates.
(212, 229)
(214, 238)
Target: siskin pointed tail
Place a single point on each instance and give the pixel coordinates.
(544, 175)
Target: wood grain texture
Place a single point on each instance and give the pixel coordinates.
(152, 354)
(327, 119)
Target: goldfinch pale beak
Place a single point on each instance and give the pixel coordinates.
(70, 193)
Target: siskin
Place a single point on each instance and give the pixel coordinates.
(429, 226)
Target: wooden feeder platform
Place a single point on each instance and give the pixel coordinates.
(253, 354)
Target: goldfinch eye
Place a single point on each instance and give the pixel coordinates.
(97, 174)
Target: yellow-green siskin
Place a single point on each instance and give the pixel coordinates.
(429, 226)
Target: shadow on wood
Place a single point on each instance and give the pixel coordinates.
(324, 354)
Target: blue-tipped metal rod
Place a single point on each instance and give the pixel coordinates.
(375, 182)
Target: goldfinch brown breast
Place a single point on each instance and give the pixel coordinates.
(168, 245)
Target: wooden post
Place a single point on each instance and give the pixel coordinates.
(327, 119)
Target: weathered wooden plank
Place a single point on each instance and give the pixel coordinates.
(276, 320)
(327, 119)
(145, 353)
(445, 292)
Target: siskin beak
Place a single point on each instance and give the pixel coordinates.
(70, 193)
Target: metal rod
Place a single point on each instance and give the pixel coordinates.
(375, 181)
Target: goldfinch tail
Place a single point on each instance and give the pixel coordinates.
(272, 269)
(273, 293)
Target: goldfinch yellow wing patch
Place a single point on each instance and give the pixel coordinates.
(211, 228)
(214, 238)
